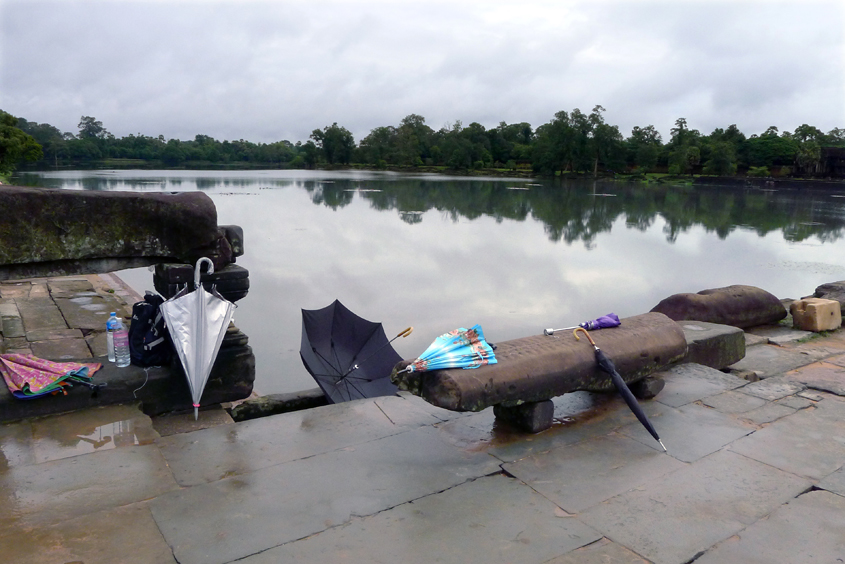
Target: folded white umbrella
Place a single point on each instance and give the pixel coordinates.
(197, 322)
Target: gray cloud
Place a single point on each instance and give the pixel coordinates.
(265, 71)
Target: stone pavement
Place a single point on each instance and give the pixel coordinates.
(64, 318)
(755, 473)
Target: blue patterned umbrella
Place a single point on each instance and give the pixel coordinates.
(461, 348)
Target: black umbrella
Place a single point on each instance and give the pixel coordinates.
(348, 356)
(607, 365)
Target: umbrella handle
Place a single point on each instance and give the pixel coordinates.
(586, 333)
(198, 270)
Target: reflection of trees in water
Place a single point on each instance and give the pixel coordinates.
(576, 211)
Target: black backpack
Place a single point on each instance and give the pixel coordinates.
(149, 340)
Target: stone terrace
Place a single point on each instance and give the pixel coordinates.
(754, 473)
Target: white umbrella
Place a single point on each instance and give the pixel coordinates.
(197, 322)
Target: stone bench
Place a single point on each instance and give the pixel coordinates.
(531, 371)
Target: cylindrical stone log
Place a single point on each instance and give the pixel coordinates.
(541, 367)
(738, 306)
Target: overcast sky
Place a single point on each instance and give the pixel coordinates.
(266, 70)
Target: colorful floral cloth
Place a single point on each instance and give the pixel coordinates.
(28, 376)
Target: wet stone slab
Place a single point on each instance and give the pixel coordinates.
(123, 534)
(578, 416)
(662, 519)
(16, 445)
(766, 414)
(474, 532)
(835, 482)
(175, 423)
(689, 383)
(62, 350)
(55, 491)
(806, 443)
(795, 402)
(733, 402)
(413, 411)
(690, 432)
(604, 551)
(819, 538)
(53, 334)
(769, 360)
(40, 313)
(88, 312)
(779, 334)
(772, 389)
(825, 376)
(587, 473)
(290, 501)
(227, 450)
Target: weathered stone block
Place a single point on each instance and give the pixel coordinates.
(832, 291)
(48, 232)
(648, 387)
(740, 306)
(274, 404)
(232, 281)
(531, 417)
(537, 368)
(816, 314)
(712, 344)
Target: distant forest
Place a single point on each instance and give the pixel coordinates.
(572, 142)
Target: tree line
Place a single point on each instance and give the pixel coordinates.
(572, 142)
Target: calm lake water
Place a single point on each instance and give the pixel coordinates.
(514, 255)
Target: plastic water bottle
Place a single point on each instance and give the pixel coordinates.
(121, 345)
(110, 328)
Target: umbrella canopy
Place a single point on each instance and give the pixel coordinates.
(348, 356)
(461, 348)
(197, 322)
(28, 376)
(606, 365)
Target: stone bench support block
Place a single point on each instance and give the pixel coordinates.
(816, 314)
(712, 344)
(529, 417)
(538, 368)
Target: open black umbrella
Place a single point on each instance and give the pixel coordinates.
(607, 365)
(348, 356)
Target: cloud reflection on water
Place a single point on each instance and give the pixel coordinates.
(479, 254)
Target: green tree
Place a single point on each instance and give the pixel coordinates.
(335, 142)
(378, 146)
(722, 161)
(643, 147)
(15, 145)
(770, 149)
(684, 150)
(605, 142)
(91, 128)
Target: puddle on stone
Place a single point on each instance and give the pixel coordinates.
(16, 445)
(91, 430)
(81, 300)
(93, 307)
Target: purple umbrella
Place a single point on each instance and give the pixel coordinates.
(603, 322)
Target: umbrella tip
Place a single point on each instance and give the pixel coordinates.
(661, 444)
